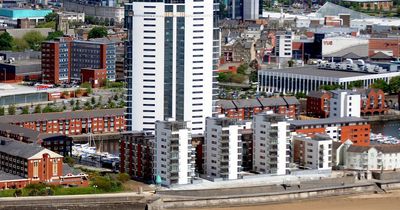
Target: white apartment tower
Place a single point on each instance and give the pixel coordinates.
(174, 159)
(283, 45)
(223, 147)
(345, 103)
(171, 61)
(271, 144)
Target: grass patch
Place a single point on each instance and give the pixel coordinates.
(7, 193)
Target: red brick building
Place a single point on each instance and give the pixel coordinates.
(96, 77)
(388, 45)
(339, 129)
(22, 164)
(244, 109)
(72, 123)
(372, 102)
(136, 155)
(318, 104)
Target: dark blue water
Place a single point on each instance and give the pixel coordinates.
(388, 128)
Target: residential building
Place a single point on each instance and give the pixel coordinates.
(313, 152)
(338, 128)
(108, 11)
(311, 78)
(271, 144)
(283, 45)
(245, 109)
(137, 155)
(22, 164)
(372, 101)
(174, 156)
(318, 104)
(345, 103)
(63, 59)
(72, 123)
(373, 157)
(386, 5)
(235, 9)
(172, 66)
(223, 147)
(58, 143)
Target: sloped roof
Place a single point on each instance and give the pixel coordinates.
(244, 103)
(381, 56)
(357, 51)
(226, 104)
(358, 149)
(331, 9)
(19, 149)
(291, 100)
(273, 101)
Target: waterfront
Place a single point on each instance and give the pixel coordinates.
(390, 200)
(387, 128)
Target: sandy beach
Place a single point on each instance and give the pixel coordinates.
(388, 201)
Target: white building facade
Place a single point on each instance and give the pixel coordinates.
(313, 152)
(283, 45)
(174, 155)
(171, 59)
(223, 147)
(271, 144)
(251, 9)
(345, 103)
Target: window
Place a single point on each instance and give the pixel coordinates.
(55, 167)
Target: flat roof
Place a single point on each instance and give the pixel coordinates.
(24, 62)
(331, 120)
(14, 89)
(313, 70)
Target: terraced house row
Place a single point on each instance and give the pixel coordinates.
(72, 123)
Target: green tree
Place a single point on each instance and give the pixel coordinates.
(20, 45)
(54, 35)
(6, 41)
(290, 63)
(25, 110)
(11, 109)
(93, 100)
(394, 84)
(89, 19)
(242, 68)
(355, 84)
(69, 160)
(38, 109)
(381, 84)
(51, 17)
(2, 111)
(34, 39)
(301, 95)
(97, 32)
(224, 77)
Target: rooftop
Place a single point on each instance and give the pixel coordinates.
(19, 149)
(8, 176)
(62, 115)
(331, 120)
(24, 62)
(313, 70)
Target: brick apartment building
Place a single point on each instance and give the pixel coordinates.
(318, 104)
(72, 123)
(64, 58)
(244, 109)
(22, 164)
(96, 77)
(339, 129)
(372, 102)
(136, 153)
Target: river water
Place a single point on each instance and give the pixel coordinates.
(388, 128)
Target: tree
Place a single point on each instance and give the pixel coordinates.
(89, 19)
(34, 39)
(11, 109)
(2, 110)
(69, 160)
(381, 84)
(54, 35)
(19, 45)
(6, 41)
(25, 110)
(93, 100)
(242, 68)
(51, 17)
(38, 109)
(224, 76)
(394, 84)
(355, 84)
(97, 32)
(290, 63)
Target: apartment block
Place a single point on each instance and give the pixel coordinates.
(318, 104)
(313, 152)
(223, 147)
(271, 144)
(174, 156)
(72, 123)
(137, 155)
(345, 103)
(283, 44)
(64, 58)
(339, 129)
(245, 109)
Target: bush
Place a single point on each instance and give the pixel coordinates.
(18, 193)
(11, 109)
(38, 109)
(123, 177)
